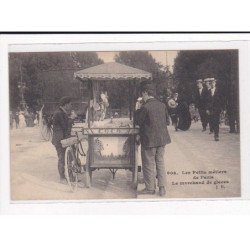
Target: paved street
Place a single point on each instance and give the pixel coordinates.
(189, 158)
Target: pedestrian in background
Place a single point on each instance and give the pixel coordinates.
(152, 118)
(201, 95)
(36, 120)
(22, 121)
(207, 82)
(214, 108)
(183, 113)
(11, 120)
(173, 110)
(16, 118)
(232, 108)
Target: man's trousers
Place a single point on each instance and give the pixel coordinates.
(61, 159)
(204, 117)
(153, 166)
(215, 123)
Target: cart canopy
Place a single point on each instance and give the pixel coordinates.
(112, 71)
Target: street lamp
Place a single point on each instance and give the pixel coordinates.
(22, 87)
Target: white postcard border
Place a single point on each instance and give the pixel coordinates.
(21, 43)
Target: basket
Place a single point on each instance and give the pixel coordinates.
(73, 140)
(69, 142)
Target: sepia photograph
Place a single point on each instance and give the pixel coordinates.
(124, 125)
(117, 121)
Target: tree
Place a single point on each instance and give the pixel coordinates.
(221, 64)
(144, 60)
(192, 65)
(27, 67)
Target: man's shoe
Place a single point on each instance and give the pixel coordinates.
(210, 132)
(204, 129)
(146, 191)
(162, 191)
(63, 181)
(216, 138)
(74, 180)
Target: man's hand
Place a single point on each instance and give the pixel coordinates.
(138, 105)
(208, 112)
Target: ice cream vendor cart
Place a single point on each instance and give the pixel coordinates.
(109, 127)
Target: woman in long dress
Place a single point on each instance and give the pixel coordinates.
(184, 116)
(180, 114)
(22, 122)
(44, 126)
(172, 108)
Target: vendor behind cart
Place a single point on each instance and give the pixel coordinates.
(61, 130)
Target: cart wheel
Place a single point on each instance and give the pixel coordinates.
(88, 173)
(71, 172)
(135, 177)
(88, 178)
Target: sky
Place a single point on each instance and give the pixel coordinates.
(162, 57)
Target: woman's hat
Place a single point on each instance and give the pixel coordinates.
(172, 103)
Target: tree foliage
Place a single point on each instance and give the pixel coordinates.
(27, 67)
(144, 60)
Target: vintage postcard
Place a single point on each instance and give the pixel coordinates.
(136, 122)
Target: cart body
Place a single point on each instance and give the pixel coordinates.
(112, 136)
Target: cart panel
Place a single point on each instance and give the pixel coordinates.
(111, 150)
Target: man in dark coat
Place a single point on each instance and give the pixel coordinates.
(61, 130)
(232, 107)
(214, 108)
(201, 95)
(152, 117)
(207, 82)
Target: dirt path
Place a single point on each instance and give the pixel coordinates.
(197, 151)
(34, 168)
